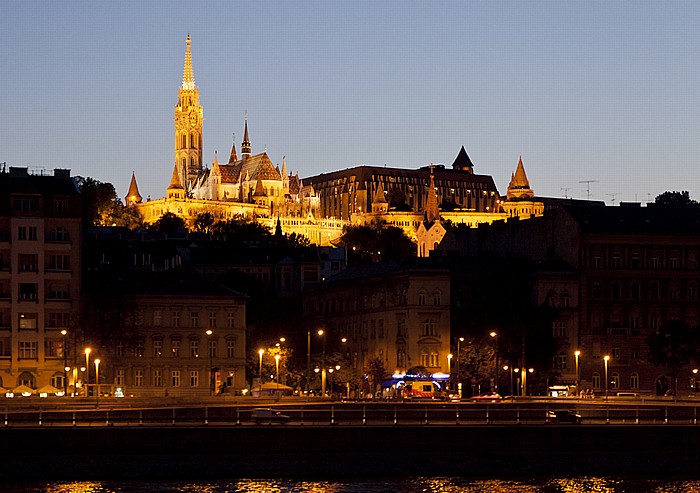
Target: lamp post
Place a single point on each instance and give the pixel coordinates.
(308, 361)
(97, 382)
(322, 334)
(516, 371)
(277, 374)
(606, 358)
(495, 357)
(65, 364)
(449, 368)
(506, 368)
(209, 332)
(87, 369)
(260, 353)
(578, 378)
(460, 340)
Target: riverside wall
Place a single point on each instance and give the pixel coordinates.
(101, 453)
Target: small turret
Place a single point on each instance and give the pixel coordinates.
(133, 196)
(245, 146)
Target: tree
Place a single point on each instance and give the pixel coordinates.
(376, 372)
(102, 207)
(476, 364)
(169, 223)
(675, 199)
(673, 346)
(243, 231)
(203, 222)
(376, 243)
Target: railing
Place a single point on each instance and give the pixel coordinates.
(91, 414)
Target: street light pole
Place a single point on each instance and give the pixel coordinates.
(449, 368)
(260, 353)
(97, 382)
(65, 364)
(87, 369)
(277, 374)
(323, 362)
(578, 379)
(495, 356)
(308, 361)
(606, 358)
(209, 332)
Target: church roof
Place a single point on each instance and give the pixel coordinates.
(230, 173)
(260, 166)
(379, 197)
(462, 160)
(175, 180)
(133, 194)
(294, 184)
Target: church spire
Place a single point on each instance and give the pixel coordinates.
(133, 196)
(188, 73)
(233, 158)
(245, 146)
(519, 186)
(432, 211)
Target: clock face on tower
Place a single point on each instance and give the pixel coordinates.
(193, 119)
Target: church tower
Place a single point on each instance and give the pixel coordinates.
(188, 126)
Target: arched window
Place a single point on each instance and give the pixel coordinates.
(421, 298)
(424, 358)
(635, 290)
(634, 380)
(57, 380)
(183, 143)
(596, 380)
(437, 298)
(26, 378)
(615, 290)
(615, 381)
(193, 141)
(654, 291)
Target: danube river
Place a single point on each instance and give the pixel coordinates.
(407, 485)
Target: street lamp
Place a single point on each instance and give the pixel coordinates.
(578, 379)
(260, 353)
(87, 369)
(495, 356)
(209, 332)
(506, 368)
(277, 374)
(606, 358)
(97, 382)
(460, 340)
(449, 368)
(65, 364)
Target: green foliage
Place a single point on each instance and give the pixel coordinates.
(673, 346)
(376, 371)
(675, 199)
(476, 363)
(242, 230)
(102, 207)
(377, 243)
(169, 223)
(295, 240)
(203, 222)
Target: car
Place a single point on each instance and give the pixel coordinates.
(562, 416)
(268, 415)
(487, 397)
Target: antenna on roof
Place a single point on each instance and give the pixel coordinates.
(613, 195)
(588, 187)
(565, 190)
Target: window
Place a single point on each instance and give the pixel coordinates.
(157, 348)
(194, 348)
(434, 359)
(615, 291)
(176, 319)
(53, 348)
(28, 292)
(560, 361)
(27, 262)
(596, 263)
(58, 292)
(654, 263)
(138, 378)
(401, 327)
(21, 232)
(157, 378)
(59, 206)
(138, 349)
(673, 263)
(212, 320)
(119, 377)
(615, 381)
(28, 350)
(58, 320)
(28, 321)
(654, 291)
(421, 298)
(194, 319)
(437, 298)
(176, 344)
(634, 381)
(194, 378)
(559, 329)
(565, 300)
(57, 380)
(58, 234)
(231, 320)
(157, 318)
(615, 262)
(616, 352)
(119, 348)
(59, 262)
(230, 348)
(596, 290)
(634, 262)
(635, 290)
(429, 327)
(212, 348)
(175, 378)
(596, 380)
(25, 204)
(424, 358)
(692, 292)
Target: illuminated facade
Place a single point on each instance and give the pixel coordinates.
(40, 246)
(319, 206)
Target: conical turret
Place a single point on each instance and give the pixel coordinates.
(519, 186)
(133, 196)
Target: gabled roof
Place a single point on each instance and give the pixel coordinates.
(260, 166)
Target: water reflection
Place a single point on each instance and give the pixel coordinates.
(407, 485)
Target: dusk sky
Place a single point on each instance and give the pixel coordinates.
(601, 91)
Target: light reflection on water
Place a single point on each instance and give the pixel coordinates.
(403, 485)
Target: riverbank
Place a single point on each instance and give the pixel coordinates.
(332, 451)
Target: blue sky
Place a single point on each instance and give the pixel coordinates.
(601, 91)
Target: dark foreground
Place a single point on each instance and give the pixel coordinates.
(337, 451)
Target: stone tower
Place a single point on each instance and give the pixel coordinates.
(188, 126)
